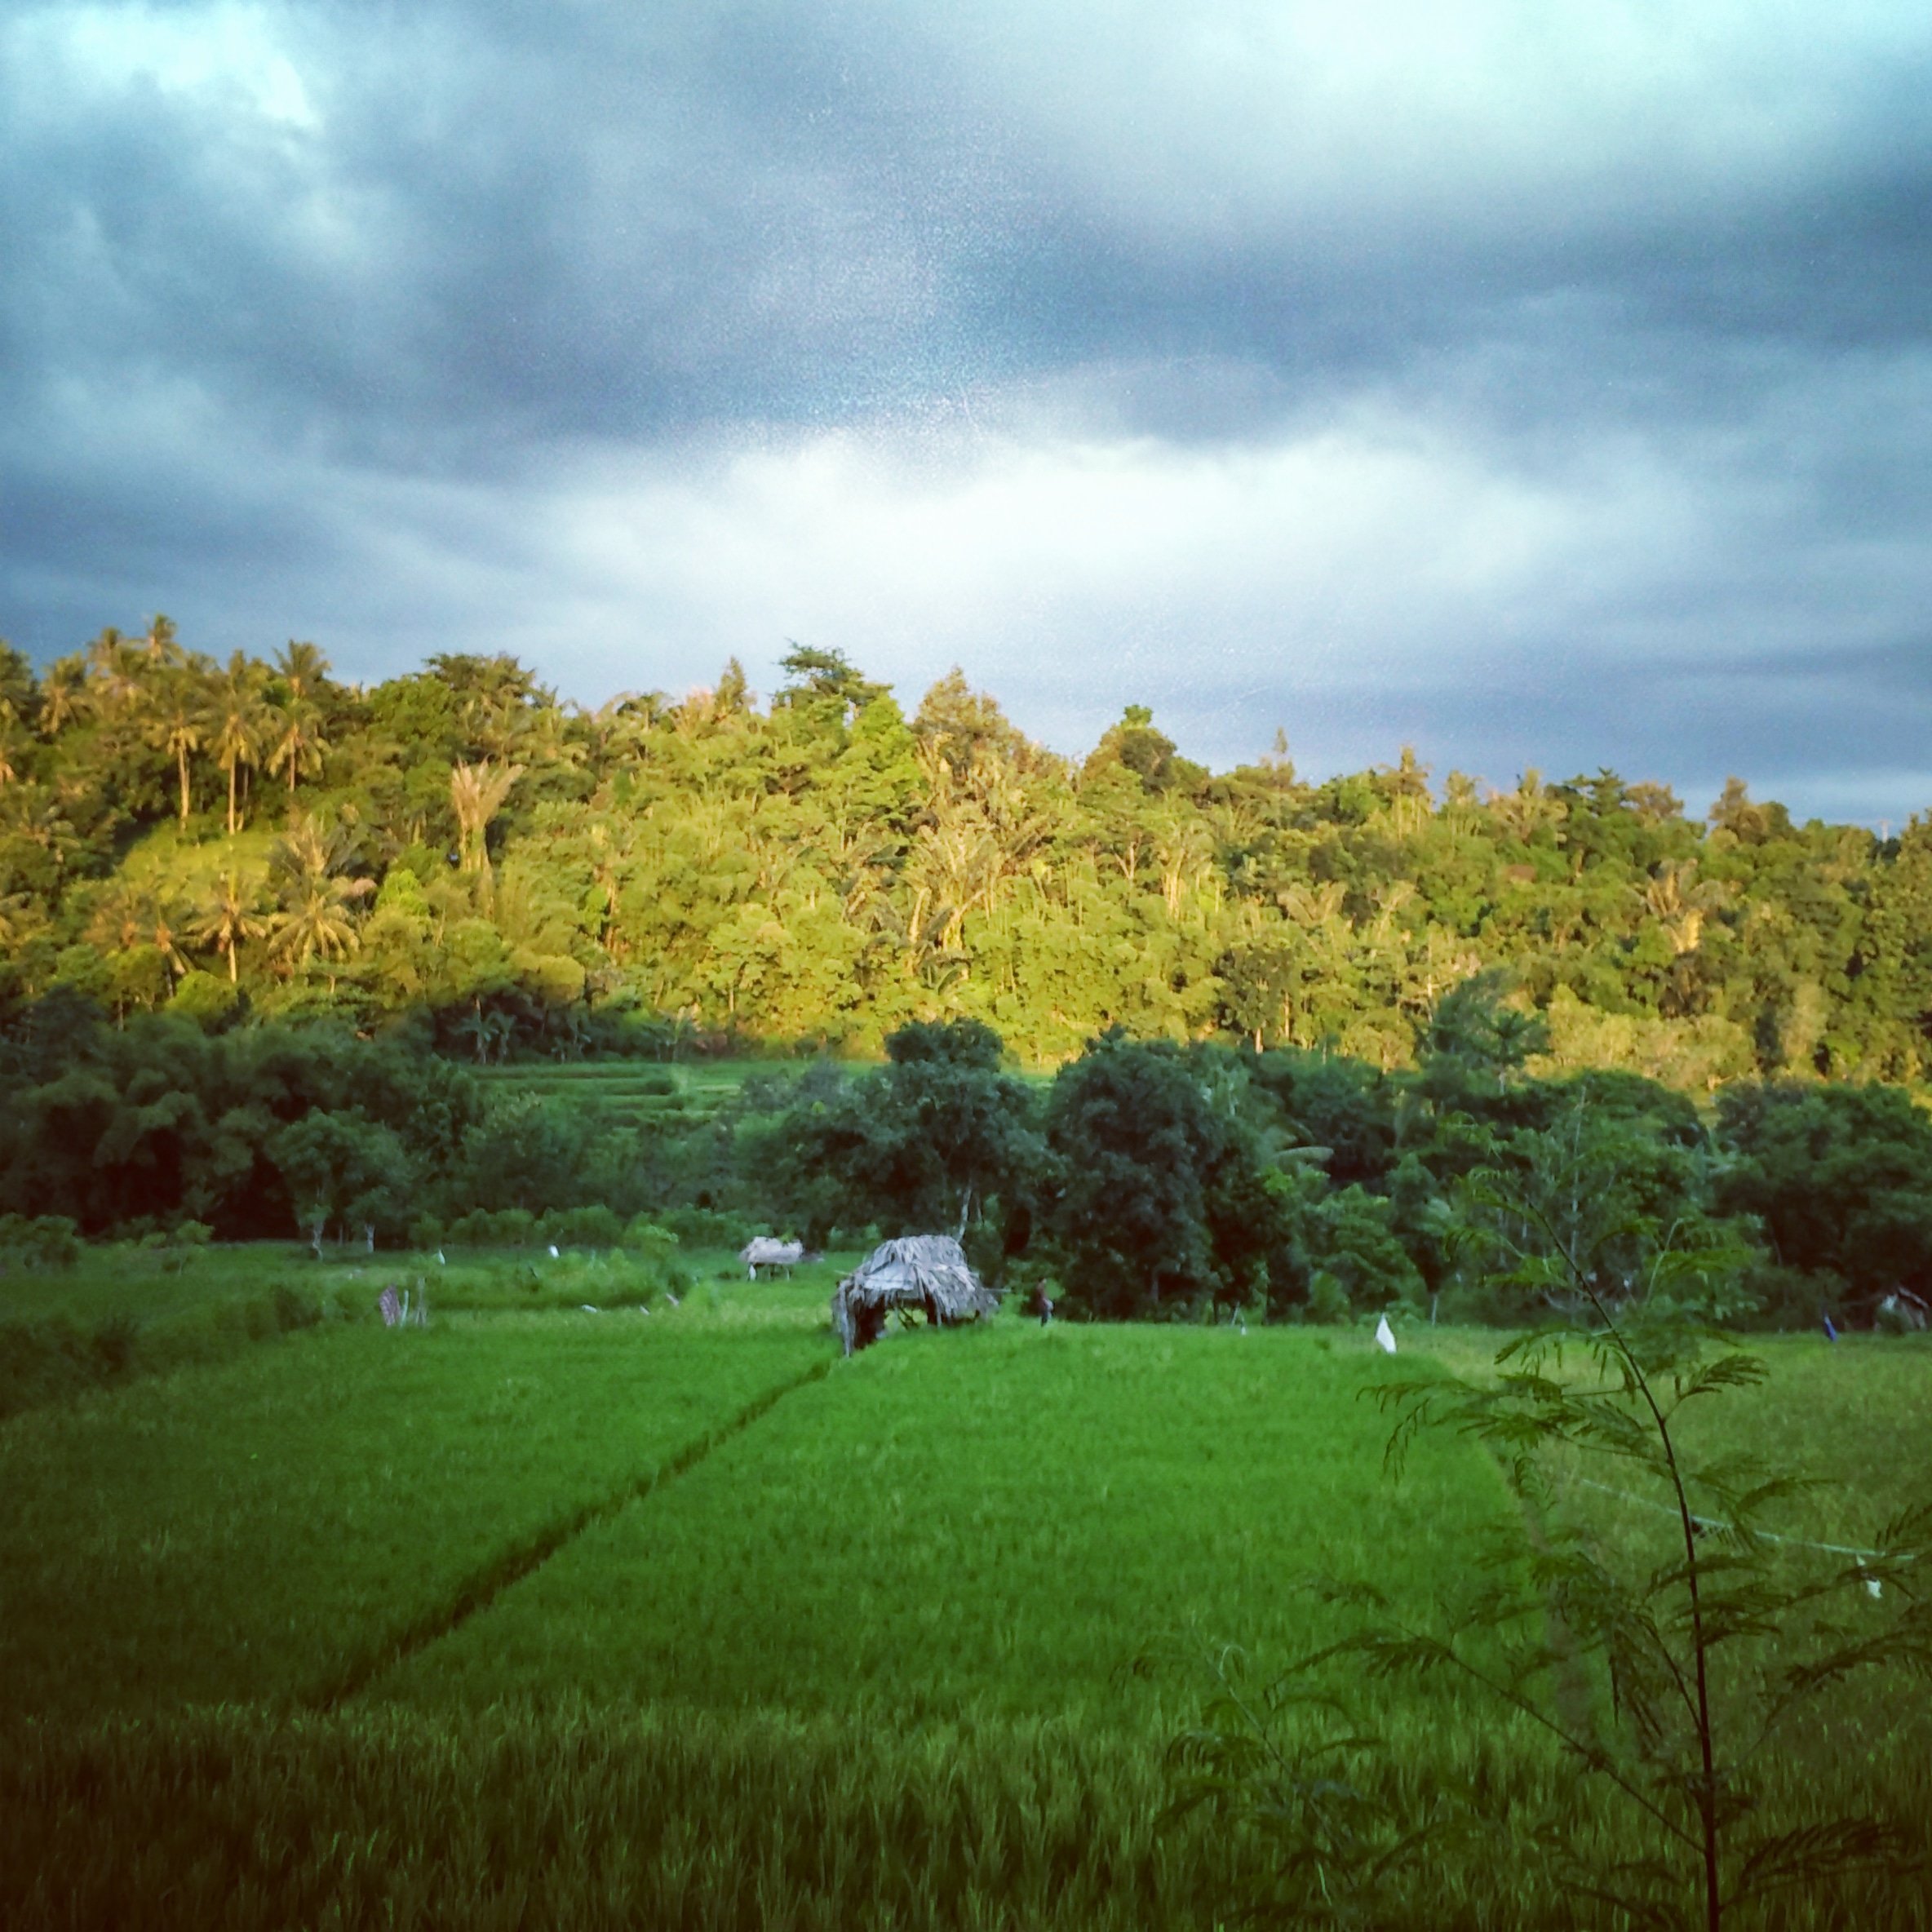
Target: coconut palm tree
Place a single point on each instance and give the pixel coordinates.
(121, 918)
(238, 720)
(46, 825)
(304, 669)
(162, 646)
(227, 918)
(120, 674)
(176, 721)
(316, 895)
(298, 743)
(1524, 813)
(64, 696)
(162, 937)
(1676, 899)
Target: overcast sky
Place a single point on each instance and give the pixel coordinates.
(1542, 384)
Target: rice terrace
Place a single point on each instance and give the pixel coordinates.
(615, 1595)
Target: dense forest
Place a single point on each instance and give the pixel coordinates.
(269, 943)
(1321, 1048)
(529, 878)
(1147, 1178)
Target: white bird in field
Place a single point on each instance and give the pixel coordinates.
(1384, 1336)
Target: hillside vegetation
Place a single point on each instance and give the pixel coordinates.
(445, 964)
(529, 877)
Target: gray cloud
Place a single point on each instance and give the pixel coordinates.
(1336, 367)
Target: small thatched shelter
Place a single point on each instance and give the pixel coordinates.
(923, 1271)
(765, 1251)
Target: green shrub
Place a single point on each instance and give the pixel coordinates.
(516, 1227)
(581, 1227)
(705, 1227)
(294, 1309)
(507, 1227)
(1327, 1298)
(113, 1344)
(651, 1238)
(43, 1361)
(38, 1242)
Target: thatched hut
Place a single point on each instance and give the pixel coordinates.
(923, 1271)
(766, 1251)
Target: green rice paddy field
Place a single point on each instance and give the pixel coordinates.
(663, 1615)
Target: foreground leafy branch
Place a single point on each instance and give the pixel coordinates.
(1661, 1676)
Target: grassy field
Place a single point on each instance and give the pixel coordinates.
(637, 1091)
(272, 1526)
(128, 1312)
(548, 1617)
(992, 1523)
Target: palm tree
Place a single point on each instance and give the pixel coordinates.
(163, 941)
(556, 737)
(1407, 789)
(160, 647)
(304, 669)
(316, 894)
(237, 717)
(315, 919)
(1524, 813)
(176, 720)
(477, 795)
(119, 672)
(1680, 903)
(298, 744)
(227, 918)
(121, 916)
(47, 825)
(64, 695)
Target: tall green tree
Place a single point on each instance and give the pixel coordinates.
(296, 732)
(1159, 1199)
(176, 716)
(317, 891)
(237, 722)
(229, 917)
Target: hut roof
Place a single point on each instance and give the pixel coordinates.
(767, 1250)
(928, 1271)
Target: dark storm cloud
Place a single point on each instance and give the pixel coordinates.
(1781, 718)
(507, 319)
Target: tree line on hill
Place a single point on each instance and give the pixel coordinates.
(1150, 1179)
(214, 838)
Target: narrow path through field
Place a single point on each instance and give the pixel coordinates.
(482, 1588)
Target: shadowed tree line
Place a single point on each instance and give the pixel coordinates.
(1155, 1180)
(1150, 1180)
(259, 838)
